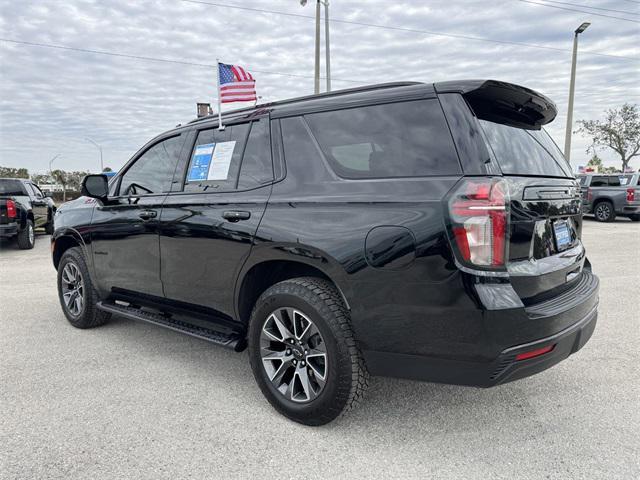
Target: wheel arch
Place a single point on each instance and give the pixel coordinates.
(260, 275)
(61, 241)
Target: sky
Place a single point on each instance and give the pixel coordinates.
(53, 99)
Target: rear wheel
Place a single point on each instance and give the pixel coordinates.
(303, 353)
(604, 212)
(77, 296)
(27, 236)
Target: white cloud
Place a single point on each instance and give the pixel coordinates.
(50, 99)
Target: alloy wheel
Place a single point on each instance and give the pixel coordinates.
(72, 288)
(294, 354)
(603, 211)
(31, 233)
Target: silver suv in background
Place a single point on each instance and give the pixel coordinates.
(610, 195)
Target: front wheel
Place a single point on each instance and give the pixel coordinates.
(77, 296)
(303, 353)
(604, 212)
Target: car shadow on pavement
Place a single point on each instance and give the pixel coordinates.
(415, 407)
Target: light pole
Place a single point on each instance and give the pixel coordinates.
(316, 77)
(50, 162)
(572, 86)
(99, 147)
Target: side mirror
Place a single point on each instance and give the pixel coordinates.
(95, 186)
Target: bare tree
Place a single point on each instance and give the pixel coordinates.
(619, 131)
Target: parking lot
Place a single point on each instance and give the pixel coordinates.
(131, 400)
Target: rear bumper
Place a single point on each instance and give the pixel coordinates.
(579, 307)
(630, 210)
(9, 229)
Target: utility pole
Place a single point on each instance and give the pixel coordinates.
(326, 44)
(572, 86)
(316, 79)
(99, 147)
(316, 75)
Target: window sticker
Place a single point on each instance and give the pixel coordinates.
(201, 162)
(221, 160)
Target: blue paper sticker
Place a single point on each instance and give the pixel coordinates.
(201, 162)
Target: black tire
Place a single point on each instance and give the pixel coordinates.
(48, 228)
(27, 236)
(346, 375)
(634, 218)
(87, 316)
(604, 211)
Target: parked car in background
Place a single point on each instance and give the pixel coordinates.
(425, 231)
(23, 208)
(607, 195)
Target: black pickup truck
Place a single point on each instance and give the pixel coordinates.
(24, 207)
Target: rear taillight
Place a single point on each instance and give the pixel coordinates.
(589, 195)
(478, 214)
(11, 209)
(631, 194)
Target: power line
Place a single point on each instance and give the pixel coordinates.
(405, 29)
(592, 8)
(155, 59)
(581, 11)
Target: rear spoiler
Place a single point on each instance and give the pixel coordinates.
(503, 102)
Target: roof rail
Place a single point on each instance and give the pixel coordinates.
(335, 93)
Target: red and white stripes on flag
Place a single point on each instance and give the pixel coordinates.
(236, 84)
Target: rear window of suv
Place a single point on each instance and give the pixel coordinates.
(525, 152)
(13, 188)
(405, 139)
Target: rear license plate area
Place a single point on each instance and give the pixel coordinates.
(562, 234)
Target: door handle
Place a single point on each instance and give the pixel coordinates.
(147, 214)
(236, 215)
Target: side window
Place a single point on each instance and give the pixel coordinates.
(30, 190)
(215, 159)
(405, 139)
(299, 147)
(599, 182)
(153, 171)
(257, 167)
(37, 191)
(614, 181)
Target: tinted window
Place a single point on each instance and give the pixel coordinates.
(301, 149)
(614, 181)
(407, 139)
(215, 159)
(153, 171)
(625, 179)
(257, 168)
(525, 152)
(599, 182)
(12, 188)
(583, 180)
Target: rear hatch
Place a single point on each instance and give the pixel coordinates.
(520, 214)
(545, 252)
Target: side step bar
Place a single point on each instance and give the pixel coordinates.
(235, 341)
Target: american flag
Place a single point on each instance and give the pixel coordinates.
(236, 84)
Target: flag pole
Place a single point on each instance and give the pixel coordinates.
(220, 126)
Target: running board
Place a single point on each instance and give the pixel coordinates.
(235, 341)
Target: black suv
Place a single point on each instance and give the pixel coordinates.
(425, 231)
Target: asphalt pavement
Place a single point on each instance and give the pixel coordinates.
(132, 400)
